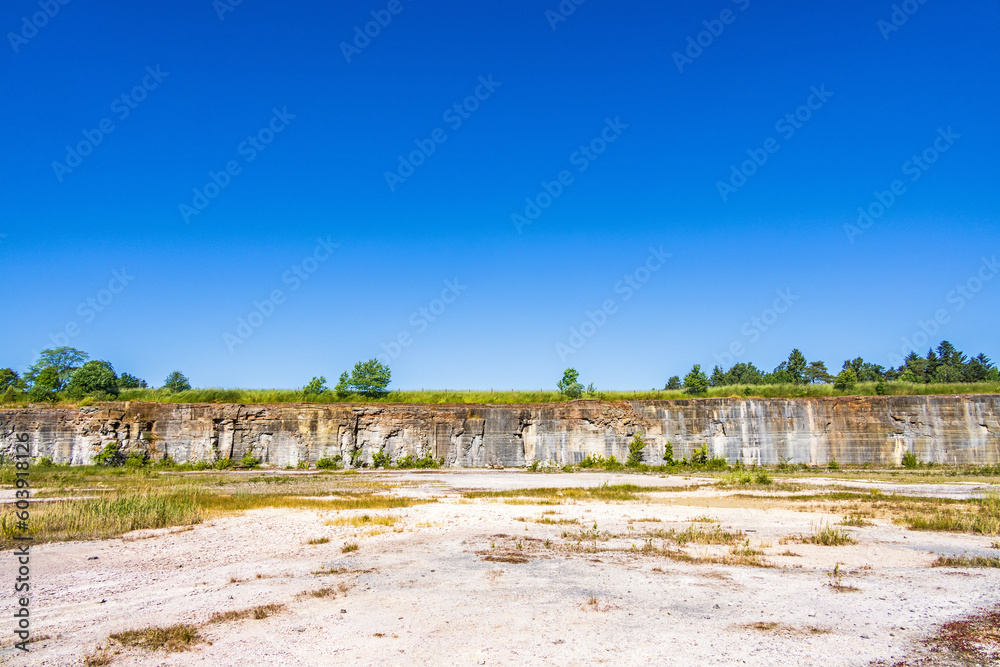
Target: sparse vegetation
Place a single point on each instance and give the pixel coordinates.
(967, 561)
(174, 638)
(828, 536)
(348, 548)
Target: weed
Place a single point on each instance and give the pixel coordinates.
(910, 461)
(318, 540)
(348, 548)
(363, 520)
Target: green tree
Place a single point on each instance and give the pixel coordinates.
(176, 382)
(719, 378)
(744, 374)
(45, 388)
(10, 380)
(818, 373)
(64, 360)
(846, 380)
(635, 451)
(370, 378)
(315, 387)
(126, 381)
(570, 385)
(94, 378)
(796, 366)
(343, 387)
(695, 382)
(674, 382)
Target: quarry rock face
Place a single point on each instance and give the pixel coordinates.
(872, 429)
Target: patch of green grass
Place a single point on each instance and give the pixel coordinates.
(696, 534)
(348, 548)
(983, 519)
(828, 536)
(966, 561)
(855, 521)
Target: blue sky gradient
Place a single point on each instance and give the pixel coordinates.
(523, 289)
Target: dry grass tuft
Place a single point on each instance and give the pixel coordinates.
(174, 638)
(257, 613)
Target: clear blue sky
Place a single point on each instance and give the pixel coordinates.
(521, 289)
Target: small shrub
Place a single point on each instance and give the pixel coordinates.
(249, 460)
(318, 540)
(348, 548)
(910, 461)
(111, 456)
(330, 463)
(44, 462)
(534, 466)
(381, 459)
(833, 465)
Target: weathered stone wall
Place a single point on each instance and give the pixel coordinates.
(943, 429)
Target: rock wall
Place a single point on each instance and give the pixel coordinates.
(878, 430)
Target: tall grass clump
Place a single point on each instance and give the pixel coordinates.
(982, 519)
(102, 518)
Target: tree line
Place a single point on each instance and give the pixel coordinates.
(69, 373)
(946, 364)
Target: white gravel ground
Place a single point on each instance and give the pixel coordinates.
(425, 596)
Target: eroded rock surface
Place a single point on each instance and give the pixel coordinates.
(878, 430)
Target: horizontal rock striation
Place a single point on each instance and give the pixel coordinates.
(877, 430)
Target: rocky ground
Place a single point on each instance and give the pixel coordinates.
(556, 580)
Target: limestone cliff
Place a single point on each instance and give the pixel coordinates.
(943, 429)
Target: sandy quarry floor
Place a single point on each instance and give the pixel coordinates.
(423, 593)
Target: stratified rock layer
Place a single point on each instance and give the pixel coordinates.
(878, 430)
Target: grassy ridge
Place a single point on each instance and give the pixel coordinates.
(261, 396)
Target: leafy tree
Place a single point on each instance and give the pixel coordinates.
(127, 381)
(695, 382)
(796, 366)
(668, 453)
(780, 375)
(176, 382)
(947, 373)
(817, 373)
(864, 371)
(979, 369)
(315, 387)
(46, 386)
(674, 382)
(570, 385)
(745, 374)
(65, 360)
(94, 378)
(10, 379)
(370, 377)
(343, 387)
(846, 380)
(719, 378)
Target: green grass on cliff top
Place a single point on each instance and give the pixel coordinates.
(261, 396)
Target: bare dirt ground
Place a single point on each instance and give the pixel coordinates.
(495, 581)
